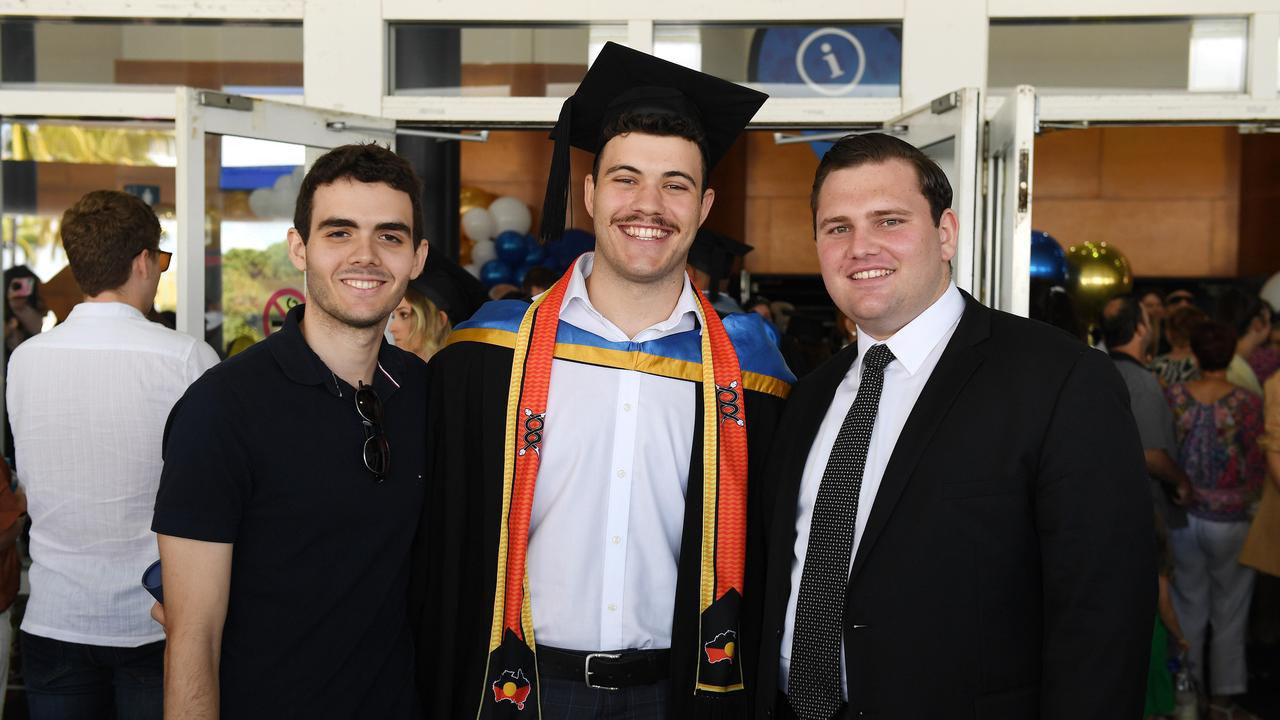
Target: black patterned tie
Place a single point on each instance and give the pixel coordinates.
(813, 685)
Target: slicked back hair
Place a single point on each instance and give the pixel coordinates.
(853, 151)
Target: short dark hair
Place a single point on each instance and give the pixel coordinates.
(366, 163)
(1214, 344)
(1121, 317)
(874, 148)
(651, 123)
(102, 234)
(1178, 325)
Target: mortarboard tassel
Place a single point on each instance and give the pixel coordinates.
(556, 200)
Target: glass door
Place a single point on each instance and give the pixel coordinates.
(948, 130)
(1004, 267)
(240, 163)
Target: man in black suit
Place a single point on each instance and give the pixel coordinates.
(961, 526)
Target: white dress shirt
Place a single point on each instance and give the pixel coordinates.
(916, 349)
(608, 510)
(88, 401)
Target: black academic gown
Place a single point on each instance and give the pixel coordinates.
(452, 593)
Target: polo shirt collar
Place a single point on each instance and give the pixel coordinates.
(302, 365)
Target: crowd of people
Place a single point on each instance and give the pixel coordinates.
(1206, 398)
(609, 496)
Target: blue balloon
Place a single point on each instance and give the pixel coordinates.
(496, 272)
(573, 243)
(511, 247)
(1048, 260)
(536, 253)
(522, 271)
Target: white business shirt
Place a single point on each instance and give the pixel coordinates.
(916, 349)
(88, 401)
(608, 509)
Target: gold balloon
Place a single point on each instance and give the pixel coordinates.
(1096, 272)
(473, 197)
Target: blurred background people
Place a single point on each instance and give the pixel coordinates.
(88, 401)
(1218, 425)
(1178, 365)
(1250, 318)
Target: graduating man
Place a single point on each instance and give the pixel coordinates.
(962, 526)
(584, 548)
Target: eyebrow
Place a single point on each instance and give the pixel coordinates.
(341, 222)
(667, 174)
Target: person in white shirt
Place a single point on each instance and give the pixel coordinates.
(88, 401)
(634, 405)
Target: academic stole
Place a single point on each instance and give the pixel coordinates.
(511, 676)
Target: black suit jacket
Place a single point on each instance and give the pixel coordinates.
(1008, 567)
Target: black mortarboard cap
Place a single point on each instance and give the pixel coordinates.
(713, 254)
(454, 290)
(625, 80)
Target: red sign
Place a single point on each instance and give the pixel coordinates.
(277, 307)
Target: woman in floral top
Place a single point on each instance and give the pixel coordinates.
(1218, 426)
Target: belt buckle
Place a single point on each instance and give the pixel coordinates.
(586, 669)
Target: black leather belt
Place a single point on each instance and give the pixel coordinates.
(605, 670)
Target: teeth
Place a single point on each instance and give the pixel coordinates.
(363, 284)
(645, 233)
(869, 274)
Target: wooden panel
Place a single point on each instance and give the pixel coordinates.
(517, 163)
(521, 79)
(60, 185)
(1068, 164)
(779, 170)
(1159, 238)
(1259, 251)
(1168, 163)
(781, 231)
(213, 75)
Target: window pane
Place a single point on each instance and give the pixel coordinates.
(1147, 55)
(863, 60)
(256, 58)
(494, 60)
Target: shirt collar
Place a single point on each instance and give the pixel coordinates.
(577, 310)
(105, 309)
(912, 344)
(302, 365)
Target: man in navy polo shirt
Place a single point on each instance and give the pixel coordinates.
(293, 478)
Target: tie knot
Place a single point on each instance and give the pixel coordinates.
(878, 358)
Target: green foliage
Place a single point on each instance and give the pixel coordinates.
(249, 277)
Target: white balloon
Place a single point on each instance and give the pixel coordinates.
(478, 224)
(510, 214)
(482, 252)
(261, 203)
(473, 268)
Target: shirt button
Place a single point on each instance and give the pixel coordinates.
(612, 607)
(622, 474)
(626, 407)
(617, 539)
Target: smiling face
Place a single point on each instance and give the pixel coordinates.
(883, 260)
(359, 255)
(647, 205)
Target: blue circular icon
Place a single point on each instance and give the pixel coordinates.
(831, 61)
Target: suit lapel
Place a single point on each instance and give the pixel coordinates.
(958, 361)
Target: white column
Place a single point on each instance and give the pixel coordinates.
(944, 48)
(344, 49)
(1264, 54)
(189, 181)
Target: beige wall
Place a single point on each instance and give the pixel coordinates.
(1114, 55)
(1168, 198)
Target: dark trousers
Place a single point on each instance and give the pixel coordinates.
(573, 700)
(70, 681)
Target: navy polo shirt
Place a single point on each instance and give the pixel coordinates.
(264, 452)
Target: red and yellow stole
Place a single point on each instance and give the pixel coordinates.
(511, 675)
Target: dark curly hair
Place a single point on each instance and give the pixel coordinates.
(652, 123)
(366, 163)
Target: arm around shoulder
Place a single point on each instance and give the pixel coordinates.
(197, 582)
